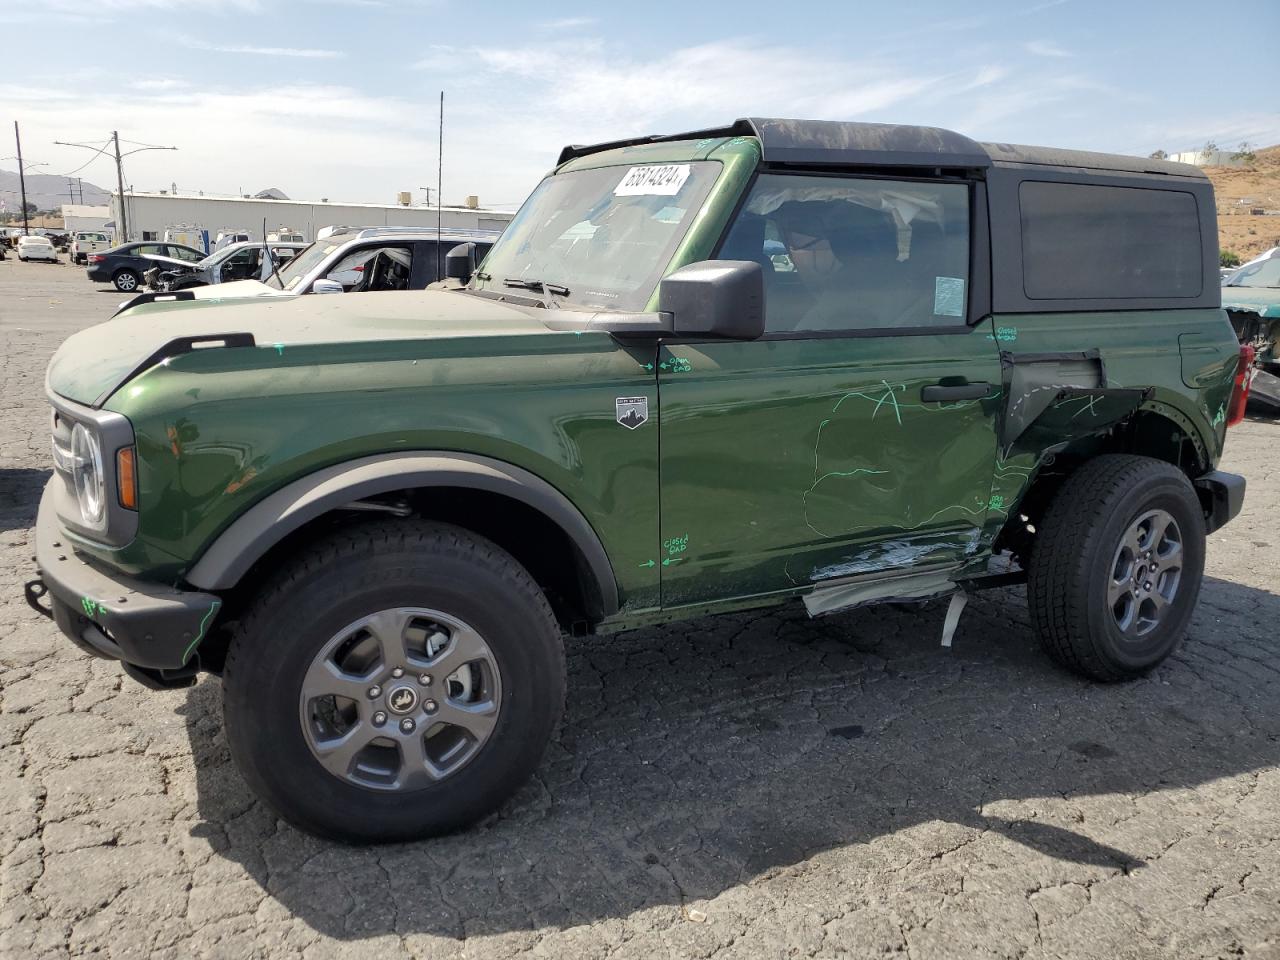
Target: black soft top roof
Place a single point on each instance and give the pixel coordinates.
(849, 143)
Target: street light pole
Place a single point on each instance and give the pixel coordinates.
(22, 180)
(115, 143)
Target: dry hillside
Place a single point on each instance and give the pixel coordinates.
(1238, 230)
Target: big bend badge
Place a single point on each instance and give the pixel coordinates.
(632, 411)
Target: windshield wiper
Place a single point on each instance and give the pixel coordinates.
(542, 286)
(555, 288)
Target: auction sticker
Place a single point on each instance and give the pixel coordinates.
(653, 180)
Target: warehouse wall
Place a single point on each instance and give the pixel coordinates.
(154, 213)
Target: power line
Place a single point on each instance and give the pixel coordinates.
(101, 150)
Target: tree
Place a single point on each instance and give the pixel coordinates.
(1207, 151)
(1158, 155)
(1245, 153)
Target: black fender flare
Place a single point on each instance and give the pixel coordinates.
(270, 520)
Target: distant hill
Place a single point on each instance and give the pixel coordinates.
(46, 191)
(1259, 184)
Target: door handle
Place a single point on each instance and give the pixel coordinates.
(937, 392)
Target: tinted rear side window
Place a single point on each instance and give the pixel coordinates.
(1085, 242)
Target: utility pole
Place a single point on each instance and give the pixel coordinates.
(22, 179)
(124, 218)
(123, 225)
(440, 190)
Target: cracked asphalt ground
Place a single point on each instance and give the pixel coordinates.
(752, 786)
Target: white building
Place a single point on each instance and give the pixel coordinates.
(151, 215)
(82, 216)
(1202, 158)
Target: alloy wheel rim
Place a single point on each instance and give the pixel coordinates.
(400, 699)
(127, 282)
(1145, 574)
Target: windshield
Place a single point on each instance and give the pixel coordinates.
(291, 273)
(218, 256)
(1265, 273)
(605, 235)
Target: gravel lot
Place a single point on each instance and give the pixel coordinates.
(750, 786)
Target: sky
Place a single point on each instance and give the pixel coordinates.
(339, 99)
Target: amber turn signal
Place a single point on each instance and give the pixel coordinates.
(127, 478)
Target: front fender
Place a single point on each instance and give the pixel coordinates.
(269, 521)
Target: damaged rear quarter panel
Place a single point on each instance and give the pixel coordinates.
(1137, 349)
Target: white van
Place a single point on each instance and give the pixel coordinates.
(86, 242)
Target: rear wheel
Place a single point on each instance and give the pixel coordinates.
(1116, 566)
(397, 681)
(126, 281)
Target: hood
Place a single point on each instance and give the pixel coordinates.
(235, 290)
(94, 363)
(168, 263)
(238, 290)
(1263, 301)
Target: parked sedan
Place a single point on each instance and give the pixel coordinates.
(37, 248)
(124, 265)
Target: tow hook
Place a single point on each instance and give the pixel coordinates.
(34, 590)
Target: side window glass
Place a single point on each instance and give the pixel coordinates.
(852, 254)
(373, 268)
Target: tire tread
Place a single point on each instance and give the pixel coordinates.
(1060, 561)
(420, 537)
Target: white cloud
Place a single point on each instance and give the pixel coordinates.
(158, 83)
(568, 23)
(312, 140)
(1044, 48)
(510, 108)
(193, 44)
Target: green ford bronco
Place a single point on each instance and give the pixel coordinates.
(779, 361)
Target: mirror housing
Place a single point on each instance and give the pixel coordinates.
(715, 298)
(460, 262)
(325, 285)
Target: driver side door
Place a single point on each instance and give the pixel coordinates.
(858, 435)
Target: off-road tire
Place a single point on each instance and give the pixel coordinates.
(1071, 564)
(126, 281)
(352, 574)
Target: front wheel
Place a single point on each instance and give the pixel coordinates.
(1116, 566)
(396, 681)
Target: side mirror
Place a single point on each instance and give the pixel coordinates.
(715, 298)
(325, 285)
(460, 262)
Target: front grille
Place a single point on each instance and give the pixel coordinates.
(61, 429)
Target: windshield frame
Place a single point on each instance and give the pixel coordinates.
(699, 229)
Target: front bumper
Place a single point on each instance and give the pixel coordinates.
(1222, 496)
(152, 628)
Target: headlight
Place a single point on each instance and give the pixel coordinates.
(86, 472)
